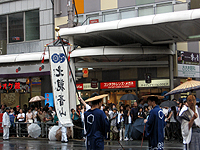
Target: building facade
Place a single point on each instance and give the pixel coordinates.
(115, 52)
(25, 27)
(114, 39)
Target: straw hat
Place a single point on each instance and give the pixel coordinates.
(96, 98)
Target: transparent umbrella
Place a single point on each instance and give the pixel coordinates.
(52, 133)
(34, 130)
(58, 134)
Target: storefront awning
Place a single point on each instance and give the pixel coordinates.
(23, 65)
(13, 58)
(147, 30)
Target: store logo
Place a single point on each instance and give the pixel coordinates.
(58, 57)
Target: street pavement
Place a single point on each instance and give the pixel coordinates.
(44, 144)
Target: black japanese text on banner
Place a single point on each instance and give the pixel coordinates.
(59, 79)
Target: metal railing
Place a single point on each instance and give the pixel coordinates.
(20, 129)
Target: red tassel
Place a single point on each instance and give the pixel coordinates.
(69, 56)
(42, 60)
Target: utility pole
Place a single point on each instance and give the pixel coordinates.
(70, 13)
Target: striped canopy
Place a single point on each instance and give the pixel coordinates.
(189, 85)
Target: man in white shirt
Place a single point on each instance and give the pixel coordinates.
(35, 115)
(6, 124)
(21, 118)
(190, 123)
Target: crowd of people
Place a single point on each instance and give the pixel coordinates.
(21, 118)
(120, 117)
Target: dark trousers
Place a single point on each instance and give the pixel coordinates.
(77, 132)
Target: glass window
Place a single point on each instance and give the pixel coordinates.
(142, 2)
(16, 32)
(164, 8)
(93, 19)
(128, 14)
(3, 27)
(145, 11)
(32, 25)
(110, 16)
(80, 20)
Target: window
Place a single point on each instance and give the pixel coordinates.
(32, 25)
(3, 27)
(16, 30)
(110, 16)
(128, 14)
(93, 19)
(144, 11)
(80, 19)
(164, 8)
(142, 2)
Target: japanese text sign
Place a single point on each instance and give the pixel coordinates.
(118, 85)
(49, 99)
(59, 79)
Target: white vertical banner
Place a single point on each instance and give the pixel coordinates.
(59, 78)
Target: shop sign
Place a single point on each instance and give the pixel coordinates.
(10, 86)
(79, 86)
(188, 58)
(154, 83)
(94, 83)
(87, 86)
(85, 72)
(94, 21)
(49, 99)
(188, 70)
(118, 85)
(60, 78)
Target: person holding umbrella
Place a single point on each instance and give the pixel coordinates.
(190, 125)
(155, 125)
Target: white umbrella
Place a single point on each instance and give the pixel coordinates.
(52, 133)
(36, 99)
(34, 130)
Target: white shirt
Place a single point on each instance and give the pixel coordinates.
(34, 114)
(186, 133)
(21, 115)
(184, 108)
(129, 119)
(87, 107)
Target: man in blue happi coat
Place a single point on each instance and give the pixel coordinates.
(96, 124)
(155, 125)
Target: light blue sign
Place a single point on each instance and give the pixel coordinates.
(49, 99)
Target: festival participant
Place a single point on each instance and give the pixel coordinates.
(96, 124)
(64, 133)
(190, 123)
(155, 125)
(6, 124)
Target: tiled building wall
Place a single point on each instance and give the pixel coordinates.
(46, 24)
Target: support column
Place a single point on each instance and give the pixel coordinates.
(72, 90)
(171, 74)
(171, 68)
